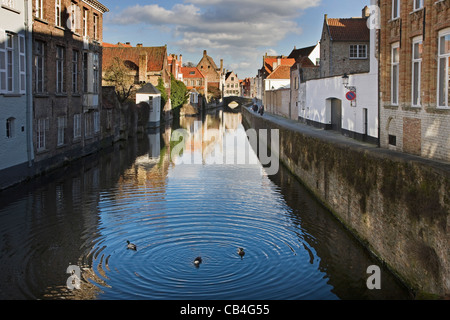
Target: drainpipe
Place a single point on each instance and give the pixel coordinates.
(29, 93)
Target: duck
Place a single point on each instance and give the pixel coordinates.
(197, 261)
(131, 246)
(241, 252)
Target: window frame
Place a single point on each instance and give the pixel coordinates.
(75, 59)
(446, 57)
(395, 46)
(39, 56)
(60, 50)
(416, 61)
(395, 9)
(358, 56)
(58, 13)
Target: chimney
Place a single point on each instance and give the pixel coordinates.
(127, 43)
(221, 65)
(139, 45)
(204, 52)
(143, 66)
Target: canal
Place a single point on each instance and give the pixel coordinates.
(64, 235)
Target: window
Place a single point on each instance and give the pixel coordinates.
(7, 65)
(59, 69)
(394, 73)
(10, 127)
(88, 125)
(77, 126)
(416, 70)
(74, 71)
(358, 51)
(74, 17)
(39, 9)
(443, 68)
(61, 130)
(418, 4)
(395, 9)
(58, 17)
(39, 66)
(95, 26)
(85, 72)
(42, 127)
(85, 26)
(96, 122)
(96, 68)
(22, 63)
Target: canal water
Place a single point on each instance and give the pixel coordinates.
(64, 235)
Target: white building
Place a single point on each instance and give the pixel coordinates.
(324, 103)
(16, 101)
(150, 95)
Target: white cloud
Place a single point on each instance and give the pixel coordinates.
(223, 27)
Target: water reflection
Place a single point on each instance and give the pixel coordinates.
(83, 214)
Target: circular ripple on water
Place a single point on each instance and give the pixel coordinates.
(163, 268)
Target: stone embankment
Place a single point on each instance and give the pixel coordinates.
(397, 205)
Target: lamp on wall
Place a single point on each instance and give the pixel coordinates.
(345, 80)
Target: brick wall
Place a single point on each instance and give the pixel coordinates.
(430, 139)
(398, 205)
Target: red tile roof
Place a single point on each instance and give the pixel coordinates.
(110, 45)
(281, 72)
(270, 61)
(349, 29)
(191, 72)
(156, 56)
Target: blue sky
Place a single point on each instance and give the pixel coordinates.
(238, 31)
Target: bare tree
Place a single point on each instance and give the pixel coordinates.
(120, 76)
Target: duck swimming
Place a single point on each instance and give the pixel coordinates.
(241, 252)
(131, 246)
(197, 261)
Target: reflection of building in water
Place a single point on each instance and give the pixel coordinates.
(207, 137)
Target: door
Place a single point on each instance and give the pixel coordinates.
(336, 114)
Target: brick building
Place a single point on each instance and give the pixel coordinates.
(344, 46)
(67, 53)
(414, 77)
(210, 70)
(232, 85)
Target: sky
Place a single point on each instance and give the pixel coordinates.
(240, 32)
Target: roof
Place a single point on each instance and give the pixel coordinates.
(270, 61)
(209, 59)
(155, 56)
(191, 72)
(348, 29)
(119, 44)
(281, 72)
(302, 52)
(148, 88)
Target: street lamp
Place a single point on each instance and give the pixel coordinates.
(345, 80)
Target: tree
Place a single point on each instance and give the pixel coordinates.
(178, 93)
(162, 88)
(120, 76)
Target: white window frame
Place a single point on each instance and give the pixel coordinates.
(416, 61)
(77, 126)
(9, 62)
(418, 4)
(96, 21)
(39, 66)
(358, 52)
(395, 9)
(39, 9)
(395, 68)
(58, 13)
(22, 65)
(85, 22)
(443, 58)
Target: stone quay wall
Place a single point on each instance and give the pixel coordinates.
(397, 205)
